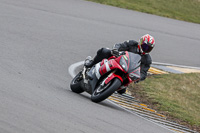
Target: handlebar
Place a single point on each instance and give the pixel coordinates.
(117, 53)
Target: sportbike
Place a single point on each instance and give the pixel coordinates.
(108, 76)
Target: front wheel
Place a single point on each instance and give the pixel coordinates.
(103, 92)
(76, 83)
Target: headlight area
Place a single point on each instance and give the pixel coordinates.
(124, 63)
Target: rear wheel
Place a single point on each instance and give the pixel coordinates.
(103, 92)
(76, 83)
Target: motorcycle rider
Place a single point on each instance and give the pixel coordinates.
(143, 47)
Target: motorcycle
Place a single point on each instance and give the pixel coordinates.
(108, 76)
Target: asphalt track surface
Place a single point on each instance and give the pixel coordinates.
(40, 39)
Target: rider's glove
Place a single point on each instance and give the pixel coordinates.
(122, 53)
(115, 52)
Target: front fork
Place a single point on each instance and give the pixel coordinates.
(108, 79)
(111, 76)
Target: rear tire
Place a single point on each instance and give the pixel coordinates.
(75, 84)
(108, 90)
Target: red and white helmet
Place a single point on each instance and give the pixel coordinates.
(146, 43)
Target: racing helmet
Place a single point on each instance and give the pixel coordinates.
(146, 44)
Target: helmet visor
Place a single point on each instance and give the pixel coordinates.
(146, 48)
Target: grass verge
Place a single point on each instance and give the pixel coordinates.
(186, 10)
(175, 95)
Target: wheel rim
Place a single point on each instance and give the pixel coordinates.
(101, 89)
(77, 79)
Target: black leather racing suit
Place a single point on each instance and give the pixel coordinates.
(131, 46)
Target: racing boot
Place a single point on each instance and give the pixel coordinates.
(89, 62)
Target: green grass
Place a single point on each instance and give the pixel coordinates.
(177, 95)
(186, 10)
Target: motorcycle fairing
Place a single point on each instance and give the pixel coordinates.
(134, 67)
(95, 75)
(92, 80)
(124, 62)
(134, 61)
(135, 75)
(112, 76)
(107, 66)
(130, 61)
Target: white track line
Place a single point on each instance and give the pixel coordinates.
(72, 68)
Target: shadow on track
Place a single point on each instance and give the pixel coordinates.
(104, 103)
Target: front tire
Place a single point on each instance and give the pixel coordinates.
(75, 84)
(102, 92)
